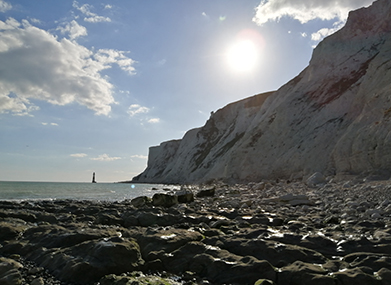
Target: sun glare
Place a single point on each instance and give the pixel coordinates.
(243, 56)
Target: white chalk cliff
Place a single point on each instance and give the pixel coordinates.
(333, 118)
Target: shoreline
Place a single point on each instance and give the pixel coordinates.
(329, 233)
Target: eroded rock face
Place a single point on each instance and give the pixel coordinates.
(333, 118)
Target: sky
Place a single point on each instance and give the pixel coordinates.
(89, 86)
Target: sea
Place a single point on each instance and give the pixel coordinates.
(14, 191)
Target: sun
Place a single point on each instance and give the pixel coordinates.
(243, 56)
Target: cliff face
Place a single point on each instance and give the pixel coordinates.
(334, 117)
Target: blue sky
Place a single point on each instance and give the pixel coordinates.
(89, 86)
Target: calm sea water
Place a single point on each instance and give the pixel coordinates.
(78, 191)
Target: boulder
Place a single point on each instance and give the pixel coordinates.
(9, 272)
(357, 276)
(304, 274)
(141, 201)
(91, 260)
(206, 192)
(316, 179)
(9, 231)
(185, 196)
(164, 200)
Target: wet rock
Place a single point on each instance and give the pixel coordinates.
(89, 261)
(141, 201)
(164, 200)
(185, 196)
(247, 270)
(146, 219)
(136, 278)
(356, 276)
(304, 273)
(264, 282)
(375, 261)
(319, 243)
(9, 272)
(9, 231)
(206, 192)
(165, 240)
(385, 275)
(219, 266)
(276, 253)
(38, 281)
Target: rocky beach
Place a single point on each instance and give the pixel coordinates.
(317, 231)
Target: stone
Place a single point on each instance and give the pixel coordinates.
(385, 275)
(9, 231)
(375, 261)
(304, 273)
(136, 278)
(206, 192)
(356, 276)
(295, 200)
(316, 179)
(139, 202)
(87, 262)
(164, 200)
(264, 282)
(9, 272)
(165, 239)
(185, 196)
(38, 281)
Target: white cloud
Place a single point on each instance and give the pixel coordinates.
(110, 56)
(34, 64)
(18, 106)
(35, 21)
(5, 6)
(79, 155)
(154, 121)
(105, 157)
(135, 109)
(139, 156)
(322, 33)
(108, 6)
(90, 16)
(73, 29)
(97, 19)
(306, 10)
(162, 62)
(52, 124)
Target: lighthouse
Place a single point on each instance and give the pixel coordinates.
(93, 178)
